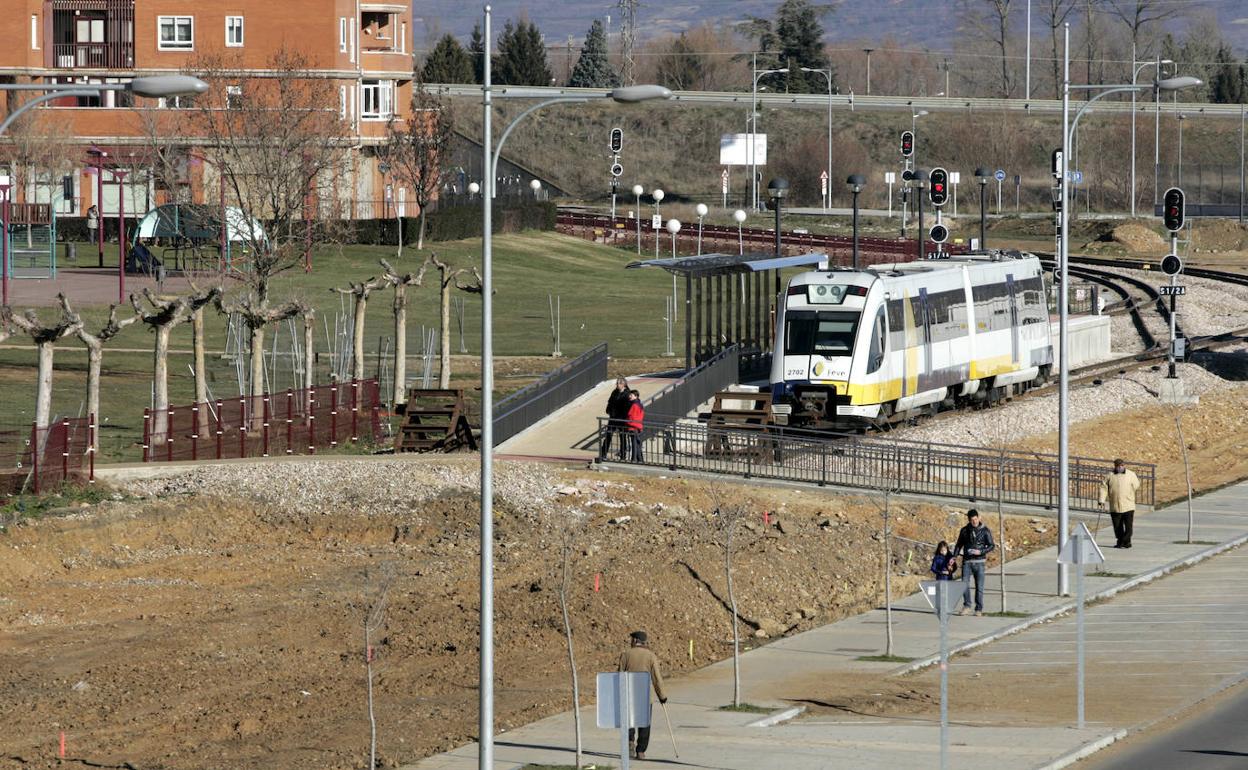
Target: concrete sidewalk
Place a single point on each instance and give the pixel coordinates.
(785, 669)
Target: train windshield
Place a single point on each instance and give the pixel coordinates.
(827, 334)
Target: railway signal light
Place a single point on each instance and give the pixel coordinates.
(617, 139)
(939, 233)
(938, 192)
(1171, 264)
(907, 144)
(1172, 209)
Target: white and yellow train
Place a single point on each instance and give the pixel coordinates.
(889, 342)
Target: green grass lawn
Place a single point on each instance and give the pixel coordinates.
(600, 301)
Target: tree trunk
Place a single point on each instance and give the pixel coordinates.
(420, 230)
(567, 631)
(357, 362)
(372, 714)
(736, 637)
(400, 343)
(201, 376)
(256, 407)
(888, 582)
(43, 401)
(444, 329)
(160, 384)
(398, 220)
(1187, 469)
(309, 363)
(95, 355)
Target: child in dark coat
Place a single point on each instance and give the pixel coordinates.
(943, 563)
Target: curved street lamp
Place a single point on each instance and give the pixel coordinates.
(739, 217)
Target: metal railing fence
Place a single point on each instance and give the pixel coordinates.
(40, 458)
(976, 474)
(554, 390)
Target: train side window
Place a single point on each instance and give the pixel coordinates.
(879, 340)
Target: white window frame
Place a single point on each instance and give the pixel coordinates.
(384, 99)
(241, 32)
(403, 37)
(176, 45)
(342, 102)
(355, 32)
(342, 34)
(232, 92)
(34, 32)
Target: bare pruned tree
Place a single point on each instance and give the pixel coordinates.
(1140, 16)
(374, 621)
(94, 342)
(163, 314)
(727, 517)
(359, 295)
(888, 485)
(570, 528)
(990, 19)
(400, 282)
(449, 277)
(45, 337)
(275, 142)
(1055, 13)
(418, 149)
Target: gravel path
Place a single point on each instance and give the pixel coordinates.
(1037, 416)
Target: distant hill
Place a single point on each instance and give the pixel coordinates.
(921, 23)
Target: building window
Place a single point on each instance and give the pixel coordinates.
(403, 38)
(233, 97)
(342, 35)
(34, 32)
(377, 99)
(234, 31)
(177, 33)
(342, 102)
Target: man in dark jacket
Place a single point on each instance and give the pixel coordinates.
(617, 412)
(974, 545)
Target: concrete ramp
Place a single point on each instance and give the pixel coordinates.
(571, 433)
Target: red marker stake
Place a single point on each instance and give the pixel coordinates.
(597, 581)
(62, 744)
(766, 519)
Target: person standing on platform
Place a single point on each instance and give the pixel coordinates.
(1118, 492)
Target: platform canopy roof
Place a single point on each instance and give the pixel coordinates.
(728, 264)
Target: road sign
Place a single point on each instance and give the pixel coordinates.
(636, 703)
(1057, 164)
(617, 170)
(1171, 264)
(617, 139)
(1172, 291)
(1000, 175)
(823, 183)
(1077, 176)
(723, 178)
(955, 177)
(890, 177)
(1080, 548)
(656, 222)
(950, 591)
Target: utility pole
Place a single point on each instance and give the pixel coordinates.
(628, 35)
(868, 51)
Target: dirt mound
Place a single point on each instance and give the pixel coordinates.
(1138, 238)
(1219, 235)
(210, 629)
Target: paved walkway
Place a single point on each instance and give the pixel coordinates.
(784, 669)
(571, 432)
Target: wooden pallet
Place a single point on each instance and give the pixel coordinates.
(435, 420)
(755, 417)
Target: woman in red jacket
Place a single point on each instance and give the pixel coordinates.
(634, 423)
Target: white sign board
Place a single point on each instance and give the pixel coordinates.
(955, 177)
(724, 179)
(1081, 548)
(948, 592)
(823, 183)
(635, 699)
(890, 177)
(734, 150)
(656, 222)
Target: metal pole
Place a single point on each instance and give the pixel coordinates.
(1174, 280)
(918, 207)
(1079, 621)
(942, 605)
(121, 235)
(1134, 73)
(1157, 136)
(827, 201)
(656, 230)
(1180, 183)
(99, 206)
(776, 203)
(1241, 164)
(1027, 86)
(4, 242)
(639, 224)
(1063, 398)
(688, 326)
(485, 753)
(855, 265)
(753, 129)
(983, 216)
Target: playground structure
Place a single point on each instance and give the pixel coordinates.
(29, 246)
(190, 233)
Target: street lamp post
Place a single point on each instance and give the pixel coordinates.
(120, 176)
(981, 176)
(739, 217)
(673, 227)
(626, 95)
(754, 126)
(856, 182)
(637, 191)
(1136, 67)
(658, 198)
(777, 189)
(5, 186)
(536, 186)
(99, 156)
(868, 51)
(1182, 118)
(919, 185)
(1063, 402)
(827, 73)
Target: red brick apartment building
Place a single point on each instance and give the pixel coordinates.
(363, 48)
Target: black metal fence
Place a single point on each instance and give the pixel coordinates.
(558, 388)
(683, 396)
(875, 464)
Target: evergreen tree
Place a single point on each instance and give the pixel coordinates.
(593, 70)
(800, 36)
(448, 62)
(522, 56)
(476, 50)
(1229, 84)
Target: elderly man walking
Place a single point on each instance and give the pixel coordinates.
(1118, 491)
(639, 658)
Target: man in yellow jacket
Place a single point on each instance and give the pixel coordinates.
(1118, 491)
(639, 658)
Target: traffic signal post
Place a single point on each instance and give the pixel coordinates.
(1173, 212)
(938, 194)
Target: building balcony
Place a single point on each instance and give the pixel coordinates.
(92, 56)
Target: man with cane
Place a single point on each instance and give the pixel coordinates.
(638, 658)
